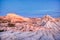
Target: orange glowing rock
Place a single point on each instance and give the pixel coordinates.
(14, 18)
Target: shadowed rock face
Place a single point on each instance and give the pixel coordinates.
(20, 28)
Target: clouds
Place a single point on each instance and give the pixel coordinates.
(43, 11)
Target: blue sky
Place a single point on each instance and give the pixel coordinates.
(30, 8)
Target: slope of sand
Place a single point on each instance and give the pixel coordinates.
(16, 27)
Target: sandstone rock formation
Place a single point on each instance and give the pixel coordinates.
(20, 28)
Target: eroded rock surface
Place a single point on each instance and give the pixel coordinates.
(14, 27)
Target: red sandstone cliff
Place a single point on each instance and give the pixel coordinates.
(18, 23)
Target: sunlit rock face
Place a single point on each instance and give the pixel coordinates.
(15, 27)
(16, 18)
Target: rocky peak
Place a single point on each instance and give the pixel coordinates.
(48, 18)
